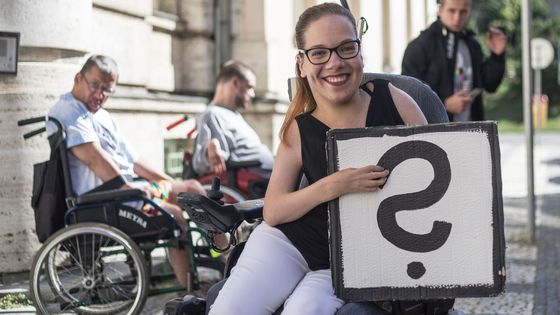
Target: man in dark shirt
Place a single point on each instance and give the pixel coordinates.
(448, 58)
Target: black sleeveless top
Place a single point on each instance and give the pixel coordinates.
(309, 234)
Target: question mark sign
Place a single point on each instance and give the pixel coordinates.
(386, 215)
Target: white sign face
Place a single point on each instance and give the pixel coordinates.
(433, 225)
(542, 53)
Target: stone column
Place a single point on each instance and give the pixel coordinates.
(55, 34)
(263, 39)
(195, 47)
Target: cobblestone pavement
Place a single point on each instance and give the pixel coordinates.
(532, 269)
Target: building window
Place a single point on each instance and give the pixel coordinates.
(168, 8)
(174, 150)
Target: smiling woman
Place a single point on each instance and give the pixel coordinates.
(286, 259)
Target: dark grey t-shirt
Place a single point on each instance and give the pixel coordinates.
(238, 140)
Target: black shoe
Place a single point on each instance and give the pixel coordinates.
(188, 305)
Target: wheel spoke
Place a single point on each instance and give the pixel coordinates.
(69, 276)
(77, 260)
(93, 256)
(106, 244)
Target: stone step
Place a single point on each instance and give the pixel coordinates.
(15, 283)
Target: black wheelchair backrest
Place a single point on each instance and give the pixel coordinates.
(425, 97)
(56, 142)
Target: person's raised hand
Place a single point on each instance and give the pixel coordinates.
(457, 102)
(496, 41)
(215, 159)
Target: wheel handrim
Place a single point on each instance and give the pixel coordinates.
(108, 280)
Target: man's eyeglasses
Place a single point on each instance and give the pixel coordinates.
(96, 86)
(319, 56)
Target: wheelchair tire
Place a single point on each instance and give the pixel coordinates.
(89, 268)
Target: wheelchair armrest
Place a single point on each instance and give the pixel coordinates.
(109, 195)
(242, 164)
(250, 210)
(208, 214)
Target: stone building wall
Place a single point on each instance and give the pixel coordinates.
(47, 63)
(167, 56)
(165, 51)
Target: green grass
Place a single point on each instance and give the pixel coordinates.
(509, 115)
(505, 125)
(14, 300)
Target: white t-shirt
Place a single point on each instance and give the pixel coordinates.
(463, 78)
(82, 126)
(238, 140)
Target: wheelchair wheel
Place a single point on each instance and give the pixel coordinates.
(231, 195)
(89, 268)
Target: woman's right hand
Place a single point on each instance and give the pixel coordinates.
(364, 179)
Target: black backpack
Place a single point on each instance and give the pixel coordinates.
(48, 198)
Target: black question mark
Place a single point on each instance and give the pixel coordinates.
(386, 215)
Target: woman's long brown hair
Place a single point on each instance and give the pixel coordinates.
(303, 100)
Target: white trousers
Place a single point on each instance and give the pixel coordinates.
(272, 272)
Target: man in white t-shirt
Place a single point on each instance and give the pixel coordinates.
(98, 153)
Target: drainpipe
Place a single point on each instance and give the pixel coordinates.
(222, 33)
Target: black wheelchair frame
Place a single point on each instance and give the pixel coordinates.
(101, 261)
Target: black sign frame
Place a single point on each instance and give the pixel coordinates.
(420, 292)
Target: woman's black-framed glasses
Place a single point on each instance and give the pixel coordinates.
(319, 56)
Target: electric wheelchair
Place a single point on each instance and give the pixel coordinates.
(100, 259)
(209, 213)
